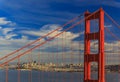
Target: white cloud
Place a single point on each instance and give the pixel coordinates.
(65, 35)
(43, 30)
(6, 30)
(50, 27)
(7, 33)
(4, 21)
(9, 36)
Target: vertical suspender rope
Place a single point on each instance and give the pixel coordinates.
(18, 66)
(6, 72)
(38, 64)
(29, 67)
(62, 63)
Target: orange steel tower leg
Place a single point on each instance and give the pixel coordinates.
(96, 57)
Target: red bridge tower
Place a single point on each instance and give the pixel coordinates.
(96, 57)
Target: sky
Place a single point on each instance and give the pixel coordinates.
(23, 21)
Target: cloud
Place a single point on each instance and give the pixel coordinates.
(43, 30)
(50, 27)
(6, 30)
(4, 21)
(59, 41)
(9, 36)
(7, 33)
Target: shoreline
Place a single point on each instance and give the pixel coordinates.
(59, 70)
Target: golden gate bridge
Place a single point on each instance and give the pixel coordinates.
(92, 50)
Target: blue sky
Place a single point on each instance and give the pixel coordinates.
(22, 21)
(36, 13)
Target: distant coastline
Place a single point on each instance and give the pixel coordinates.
(58, 67)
